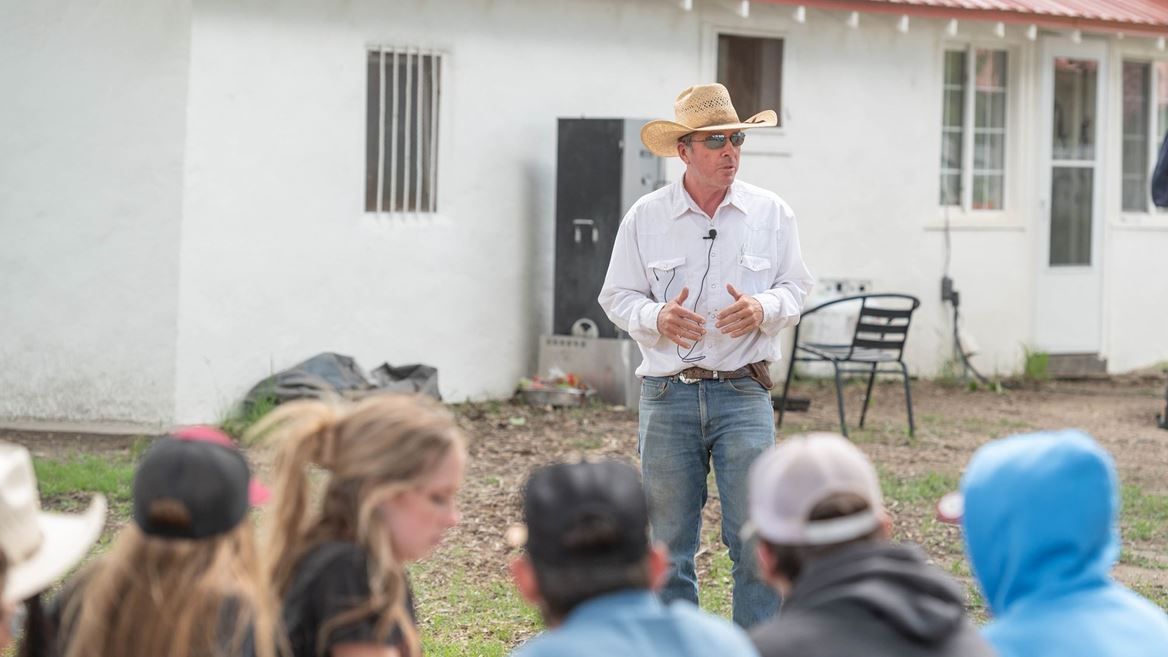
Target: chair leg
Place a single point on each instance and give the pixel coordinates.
(839, 398)
(868, 395)
(786, 388)
(912, 429)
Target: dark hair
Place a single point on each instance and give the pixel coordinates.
(791, 560)
(38, 631)
(563, 588)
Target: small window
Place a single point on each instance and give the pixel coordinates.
(973, 129)
(401, 130)
(1145, 121)
(751, 68)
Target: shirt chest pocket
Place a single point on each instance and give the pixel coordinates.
(666, 277)
(755, 273)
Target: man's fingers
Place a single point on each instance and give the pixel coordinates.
(732, 315)
(734, 293)
(681, 296)
(688, 316)
(734, 327)
(682, 343)
(733, 309)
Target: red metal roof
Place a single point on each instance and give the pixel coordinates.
(1134, 16)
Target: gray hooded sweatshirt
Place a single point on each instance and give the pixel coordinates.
(871, 600)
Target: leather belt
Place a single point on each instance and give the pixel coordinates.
(695, 374)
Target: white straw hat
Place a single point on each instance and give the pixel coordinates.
(787, 481)
(704, 107)
(40, 546)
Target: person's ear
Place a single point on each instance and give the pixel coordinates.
(523, 574)
(766, 562)
(768, 567)
(682, 152)
(658, 566)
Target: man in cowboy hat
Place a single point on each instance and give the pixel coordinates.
(705, 272)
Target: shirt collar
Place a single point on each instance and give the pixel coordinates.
(615, 605)
(683, 202)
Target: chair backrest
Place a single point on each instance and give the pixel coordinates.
(883, 323)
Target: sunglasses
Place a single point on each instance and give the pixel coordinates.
(716, 142)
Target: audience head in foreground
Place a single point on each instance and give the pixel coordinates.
(38, 548)
(184, 578)
(589, 567)
(1040, 515)
(392, 466)
(822, 535)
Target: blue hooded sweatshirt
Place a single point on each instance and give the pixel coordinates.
(1040, 523)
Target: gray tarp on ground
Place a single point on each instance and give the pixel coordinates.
(335, 374)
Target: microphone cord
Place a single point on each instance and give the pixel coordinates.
(688, 357)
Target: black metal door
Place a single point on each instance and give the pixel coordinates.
(588, 213)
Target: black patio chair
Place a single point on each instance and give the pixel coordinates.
(878, 341)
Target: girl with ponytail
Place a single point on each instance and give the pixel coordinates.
(391, 467)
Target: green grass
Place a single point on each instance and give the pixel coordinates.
(1144, 516)
(714, 592)
(465, 620)
(67, 484)
(923, 489)
(238, 420)
(586, 443)
(1035, 365)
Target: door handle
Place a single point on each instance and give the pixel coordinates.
(581, 224)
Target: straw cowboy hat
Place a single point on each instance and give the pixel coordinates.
(704, 107)
(40, 546)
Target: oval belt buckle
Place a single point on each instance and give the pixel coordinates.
(685, 379)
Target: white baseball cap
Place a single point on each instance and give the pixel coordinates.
(790, 479)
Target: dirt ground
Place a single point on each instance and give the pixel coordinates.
(508, 440)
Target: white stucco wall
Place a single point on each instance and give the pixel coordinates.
(90, 186)
(247, 121)
(1137, 320)
(279, 259)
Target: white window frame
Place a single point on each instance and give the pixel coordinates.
(968, 127)
(403, 110)
(769, 142)
(1155, 133)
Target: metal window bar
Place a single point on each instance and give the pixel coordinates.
(406, 137)
(380, 126)
(435, 61)
(418, 162)
(393, 142)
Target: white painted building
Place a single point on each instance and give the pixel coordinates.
(184, 204)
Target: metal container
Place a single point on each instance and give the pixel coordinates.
(556, 397)
(607, 365)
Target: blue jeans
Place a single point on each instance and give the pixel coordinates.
(681, 426)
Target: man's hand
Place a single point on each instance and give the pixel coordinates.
(680, 325)
(742, 317)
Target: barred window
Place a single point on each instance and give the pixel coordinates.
(401, 130)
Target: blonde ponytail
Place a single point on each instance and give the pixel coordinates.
(370, 450)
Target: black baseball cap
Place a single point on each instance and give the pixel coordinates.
(190, 489)
(586, 514)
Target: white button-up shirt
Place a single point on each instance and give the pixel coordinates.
(659, 250)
